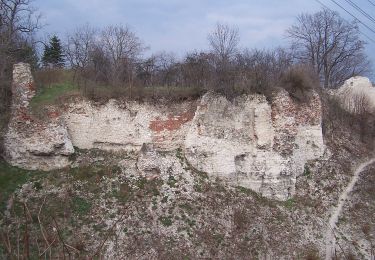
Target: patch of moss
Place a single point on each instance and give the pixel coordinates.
(306, 171)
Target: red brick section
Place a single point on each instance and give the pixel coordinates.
(174, 122)
(304, 113)
(53, 114)
(23, 114)
(283, 107)
(31, 86)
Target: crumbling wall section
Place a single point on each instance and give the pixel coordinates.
(31, 143)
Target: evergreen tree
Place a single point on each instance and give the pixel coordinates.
(53, 54)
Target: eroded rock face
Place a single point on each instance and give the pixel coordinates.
(254, 144)
(356, 95)
(248, 142)
(127, 126)
(32, 143)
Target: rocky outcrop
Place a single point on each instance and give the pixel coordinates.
(32, 143)
(248, 142)
(356, 95)
(254, 144)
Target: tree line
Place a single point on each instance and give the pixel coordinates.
(324, 47)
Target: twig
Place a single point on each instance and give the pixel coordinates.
(49, 246)
(6, 242)
(107, 236)
(61, 239)
(41, 226)
(26, 250)
(72, 247)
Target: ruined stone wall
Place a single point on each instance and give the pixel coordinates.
(32, 143)
(254, 144)
(248, 142)
(127, 126)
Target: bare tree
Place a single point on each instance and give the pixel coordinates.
(120, 42)
(122, 47)
(79, 46)
(331, 45)
(224, 41)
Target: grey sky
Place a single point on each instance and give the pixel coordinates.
(181, 26)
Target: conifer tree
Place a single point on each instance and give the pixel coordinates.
(53, 54)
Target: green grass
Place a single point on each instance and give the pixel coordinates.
(12, 178)
(50, 95)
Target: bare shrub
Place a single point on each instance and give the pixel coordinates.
(357, 103)
(48, 77)
(311, 253)
(339, 121)
(299, 80)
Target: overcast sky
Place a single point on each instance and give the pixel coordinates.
(182, 25)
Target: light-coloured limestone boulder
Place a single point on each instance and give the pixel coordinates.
(356, 95)
(32, 143)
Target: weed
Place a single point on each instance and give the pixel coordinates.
(306, 171)
(171, 181)
(81, 206)
(219, 238)
(141, 183)
(289, 204)
(165, 199)
(190, 222)
(37, 186)
(12, 178)
(187, 207)
(166, 221)
(198, 187)
(180, 155)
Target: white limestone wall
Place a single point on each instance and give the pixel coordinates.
(127, 126)
(238, 142)
(31, 143)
